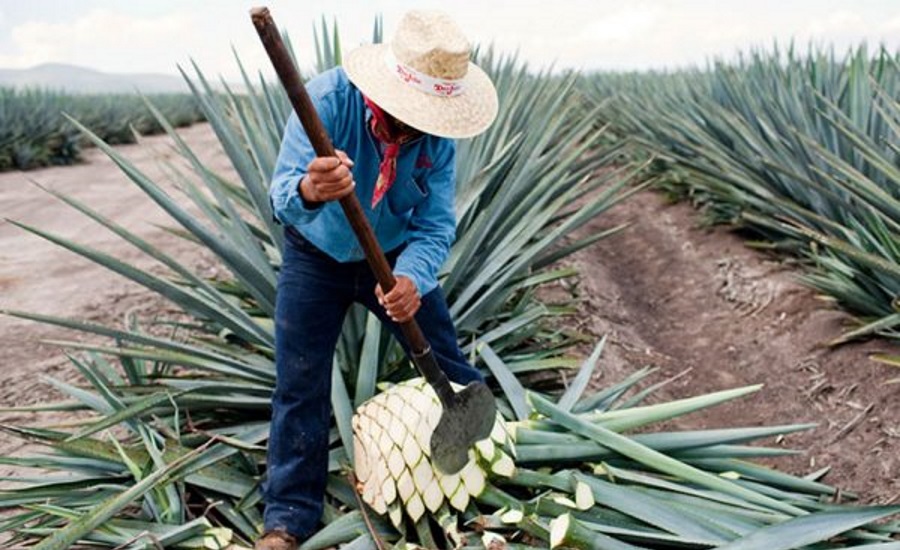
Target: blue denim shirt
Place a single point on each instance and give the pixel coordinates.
(417, 210)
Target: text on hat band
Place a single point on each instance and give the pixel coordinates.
(441, 87)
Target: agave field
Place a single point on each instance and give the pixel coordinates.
(174, 451)
(34, 131)
(802, 148)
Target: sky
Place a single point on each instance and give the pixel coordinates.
(157, 36)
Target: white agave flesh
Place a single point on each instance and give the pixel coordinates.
(422, 401)
(512, 516)
(403, 393)
(423, 435)
(412, 453)
(504, 465)
(364, 424)
(398, 431)
(362, 472)
(423, 475)
(449, 483)
(584, 496)
(395, 462)
(460, 499)
(385, 444)
(415, 507)
(389, 490)
(380, 472)
(405, 486)
(433, 496)
(559, 528)
(392, 438)
(473, 478)
(372, 495)
(409, 417)
(377, 431)
(498, 433)
(486, 449)
(371, 487)
(395, 404)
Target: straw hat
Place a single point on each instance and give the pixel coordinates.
(425, 79)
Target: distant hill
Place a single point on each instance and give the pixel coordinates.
(75, 79)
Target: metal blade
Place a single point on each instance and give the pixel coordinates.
(469, 418)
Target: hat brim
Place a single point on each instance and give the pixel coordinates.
(462, 116)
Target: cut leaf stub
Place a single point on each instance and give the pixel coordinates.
(391, 439)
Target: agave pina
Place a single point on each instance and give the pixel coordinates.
(391, 444)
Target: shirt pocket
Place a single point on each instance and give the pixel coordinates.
(405, 195)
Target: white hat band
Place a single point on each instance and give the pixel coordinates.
(441, 87)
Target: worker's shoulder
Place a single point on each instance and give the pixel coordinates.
(328, 83)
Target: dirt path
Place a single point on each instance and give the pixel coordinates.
(37, 276)
(677, 296)
(669, 294)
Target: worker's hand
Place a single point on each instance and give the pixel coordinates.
(402, 302)
(328, 178)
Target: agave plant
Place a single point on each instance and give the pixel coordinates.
(174, 453)
(801, 148)
(34, 132)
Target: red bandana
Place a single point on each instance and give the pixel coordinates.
(384, 132)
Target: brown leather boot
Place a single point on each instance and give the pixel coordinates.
(277, 539)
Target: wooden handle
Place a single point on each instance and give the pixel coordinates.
(318, 137)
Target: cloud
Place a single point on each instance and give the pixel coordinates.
(625, 25)
(659, 33)
(840, 21)
(98, 38)
(571, 33)
(591, 34)
(846, 28)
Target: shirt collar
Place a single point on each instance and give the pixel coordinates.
(368, 125)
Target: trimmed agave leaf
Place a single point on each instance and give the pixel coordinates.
(810, 529)
(652, 458)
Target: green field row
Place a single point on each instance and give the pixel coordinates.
(34, 131)
(802, 148)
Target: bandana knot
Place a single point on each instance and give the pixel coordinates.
(388, 135)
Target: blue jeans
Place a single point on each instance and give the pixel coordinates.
(314, 294)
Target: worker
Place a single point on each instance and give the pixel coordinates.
(393, 112)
